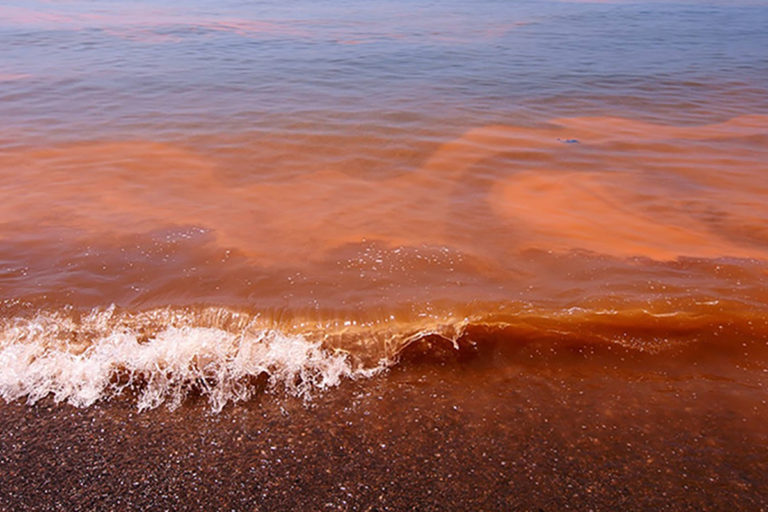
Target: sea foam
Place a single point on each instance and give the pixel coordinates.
(39, 358)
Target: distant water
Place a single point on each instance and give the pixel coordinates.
(195, 197)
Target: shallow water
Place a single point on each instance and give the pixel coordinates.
(195, 197)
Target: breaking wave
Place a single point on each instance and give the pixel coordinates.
(162, 356)
(49, 355)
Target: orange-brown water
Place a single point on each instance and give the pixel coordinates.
(600, 187)
(595, 230)
(193, 189)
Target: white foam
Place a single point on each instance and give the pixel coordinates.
(45, 356)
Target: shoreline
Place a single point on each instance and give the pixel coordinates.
(424, 436)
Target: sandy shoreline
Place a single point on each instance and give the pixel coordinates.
(422, 437)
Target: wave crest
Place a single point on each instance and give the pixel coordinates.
(161, 356)
(166, 366)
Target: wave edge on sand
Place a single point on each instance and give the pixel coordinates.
(162, 356)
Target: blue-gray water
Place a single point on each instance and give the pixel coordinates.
(78, 70)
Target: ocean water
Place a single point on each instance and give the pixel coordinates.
(222, 198)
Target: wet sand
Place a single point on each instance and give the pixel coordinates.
(580, 434)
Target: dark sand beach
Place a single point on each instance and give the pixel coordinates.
(431, 434)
